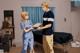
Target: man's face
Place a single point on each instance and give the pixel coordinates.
(44, 8)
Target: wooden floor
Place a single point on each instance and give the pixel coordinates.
(67, 49)
(37, 48)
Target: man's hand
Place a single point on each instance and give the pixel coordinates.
(39, 28)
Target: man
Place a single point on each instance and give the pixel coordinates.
(48, 19)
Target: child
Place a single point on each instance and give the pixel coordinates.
(26, 26)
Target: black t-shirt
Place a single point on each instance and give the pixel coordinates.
(48, 18)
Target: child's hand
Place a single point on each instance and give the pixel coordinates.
(27, 29)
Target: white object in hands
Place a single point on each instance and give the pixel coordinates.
(37, 25)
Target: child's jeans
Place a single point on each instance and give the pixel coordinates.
(27, 43)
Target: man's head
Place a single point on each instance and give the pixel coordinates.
(45, 6)
(24, 15)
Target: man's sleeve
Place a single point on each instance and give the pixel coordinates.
(51, 17)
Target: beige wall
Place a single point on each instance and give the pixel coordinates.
(75, 19)
(62, 10)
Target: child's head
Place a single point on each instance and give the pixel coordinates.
(45, 6)
(24, 15)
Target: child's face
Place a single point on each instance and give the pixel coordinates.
(27, 17)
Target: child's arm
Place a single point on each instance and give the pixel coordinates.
(28, 29)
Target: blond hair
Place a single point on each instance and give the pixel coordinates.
(45, 4)
(23, 14)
